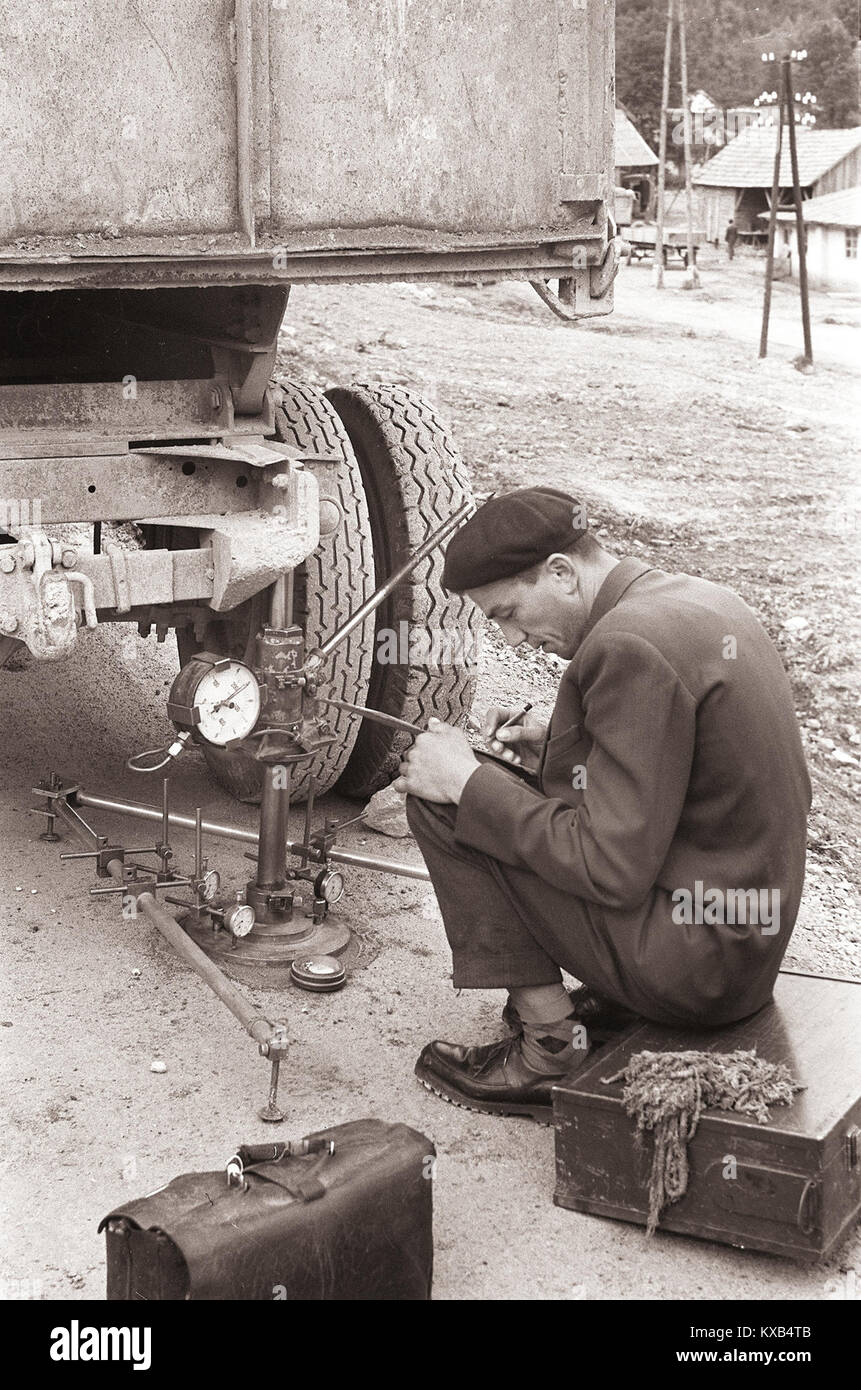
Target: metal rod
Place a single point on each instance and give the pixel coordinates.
(165, 810)
(272, 839)
(372, 603)
(271, 1112)
(150, 813)
(309, 812)
(198, 843)
(174, 883)
(249, 837)
(281, 601)
(256, 1024)
(80, 826)
(376, 716)
(385, 866)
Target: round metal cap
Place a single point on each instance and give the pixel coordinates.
(319, 973)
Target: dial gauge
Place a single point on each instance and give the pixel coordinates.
(329, 885)
(240, 919)
(209, 885)
(216, 696)
(228, 701)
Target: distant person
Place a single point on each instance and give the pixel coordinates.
(731, 237)
(782, 269)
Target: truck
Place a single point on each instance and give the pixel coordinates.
(171, 169)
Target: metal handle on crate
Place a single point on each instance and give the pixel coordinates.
(806, 1215)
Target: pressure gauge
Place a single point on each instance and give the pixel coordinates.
(329, 885)
(239, 919)
(217, 697)
(209, 885)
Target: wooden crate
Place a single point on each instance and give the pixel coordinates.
(797, 1184)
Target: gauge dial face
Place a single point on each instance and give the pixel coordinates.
(227, 700)
(210, 885)
(330, 886)
(240, 919)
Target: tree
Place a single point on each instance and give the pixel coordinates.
(726, 39)
(830, 72)
(640, 28)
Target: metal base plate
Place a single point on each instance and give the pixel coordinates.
(268, 949)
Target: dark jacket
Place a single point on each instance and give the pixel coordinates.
(678, 708)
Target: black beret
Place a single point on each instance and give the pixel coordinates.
(510, 534)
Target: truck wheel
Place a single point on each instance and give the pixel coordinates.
(14, 655)
(327, 588)
(414, 478)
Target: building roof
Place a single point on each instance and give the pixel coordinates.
(748, 160)
(841, 209)
(632, 152)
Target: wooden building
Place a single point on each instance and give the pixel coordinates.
(634, 161)
(832, 223)
(737, 182)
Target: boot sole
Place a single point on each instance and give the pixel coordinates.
(541, 1114)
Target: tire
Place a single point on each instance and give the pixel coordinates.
(331, 583)
(414, 479)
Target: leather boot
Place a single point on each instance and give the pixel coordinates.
(494, 1078)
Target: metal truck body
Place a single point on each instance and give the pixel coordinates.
(187, 141)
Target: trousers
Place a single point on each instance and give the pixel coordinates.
(508, 927)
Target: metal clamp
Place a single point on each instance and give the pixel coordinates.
(38, 604)
(588, 292)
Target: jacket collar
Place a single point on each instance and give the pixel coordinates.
(617, 583)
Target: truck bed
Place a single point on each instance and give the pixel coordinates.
(194, 142)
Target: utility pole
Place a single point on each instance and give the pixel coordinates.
(693, 278)
(786, 73)
(772, 228)
(786, 108)
(658, 262)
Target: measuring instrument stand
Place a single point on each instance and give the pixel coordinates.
(273, 708)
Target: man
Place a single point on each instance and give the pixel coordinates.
(731, 237)
(657, 855)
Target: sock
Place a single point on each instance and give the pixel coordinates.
(549, 1043)
(537, 1002)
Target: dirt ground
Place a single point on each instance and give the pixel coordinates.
(689, 452)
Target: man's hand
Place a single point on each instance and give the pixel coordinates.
(439, 764)
(521, 742)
